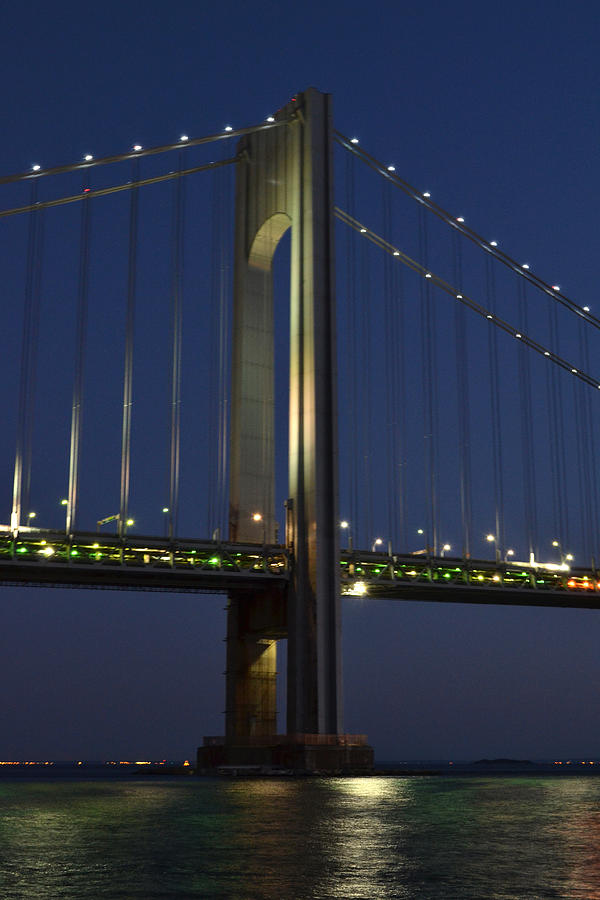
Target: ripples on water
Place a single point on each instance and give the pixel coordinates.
(428, 837)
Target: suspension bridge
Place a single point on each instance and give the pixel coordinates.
(188, 408)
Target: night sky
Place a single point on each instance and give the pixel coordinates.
(493, 108)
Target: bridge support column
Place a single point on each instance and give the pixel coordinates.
(285, 179)
(253, 625)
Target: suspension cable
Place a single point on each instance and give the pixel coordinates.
(150, 151)
(592, 478)
(224, 357)
(472, 304)
(218, 402)
(128, 360)
(78, 378)
(31, 309)
(365, 406)
(353, 362)
(463, 403)
(429, 387)
(473, 236)
(176, 337)
(391, 352)
(495, 416)
(115, 189)
(556, 436)
(35, 326)
(583, 473)
(528, 459)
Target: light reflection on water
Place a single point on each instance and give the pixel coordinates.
(427, 837)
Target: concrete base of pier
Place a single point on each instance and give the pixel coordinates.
(301, 754)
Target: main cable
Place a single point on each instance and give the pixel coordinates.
(115, 189)
(460, 226)
(36, 174)
(472, 304)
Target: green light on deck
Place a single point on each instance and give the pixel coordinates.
(447, 575)
(376, 571)
(74, 552)
(214, 561)
(21, 549)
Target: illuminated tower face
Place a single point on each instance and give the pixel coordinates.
(285, 181)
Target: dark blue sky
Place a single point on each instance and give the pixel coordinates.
(494, 110)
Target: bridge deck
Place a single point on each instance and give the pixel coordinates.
(90, 560)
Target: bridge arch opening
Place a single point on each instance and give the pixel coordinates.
(266, 240)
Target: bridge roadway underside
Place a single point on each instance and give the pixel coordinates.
(483, 595)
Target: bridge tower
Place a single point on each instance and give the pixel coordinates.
(284, 180)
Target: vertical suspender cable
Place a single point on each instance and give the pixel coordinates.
(394, 378)
(176, 337)
(353, 362)
(554, 428)
(583, 474)
(428, 364)
(399, 402)
(223, 392)
(495, 414)
(557, 414)
(528, 459)
(588, 413)
(586, 445)
(35, 326)
(264, 377)
(365, 402)
(128, 361)
(213, 402)
(391, 350)
(218, 409)
(80, 336)
(463, 404)
(22, 469)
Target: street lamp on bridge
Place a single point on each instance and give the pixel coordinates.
(491, 538)
(345, 526)
(564, 557)
(258, 517)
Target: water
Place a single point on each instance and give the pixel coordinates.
(485, 838)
